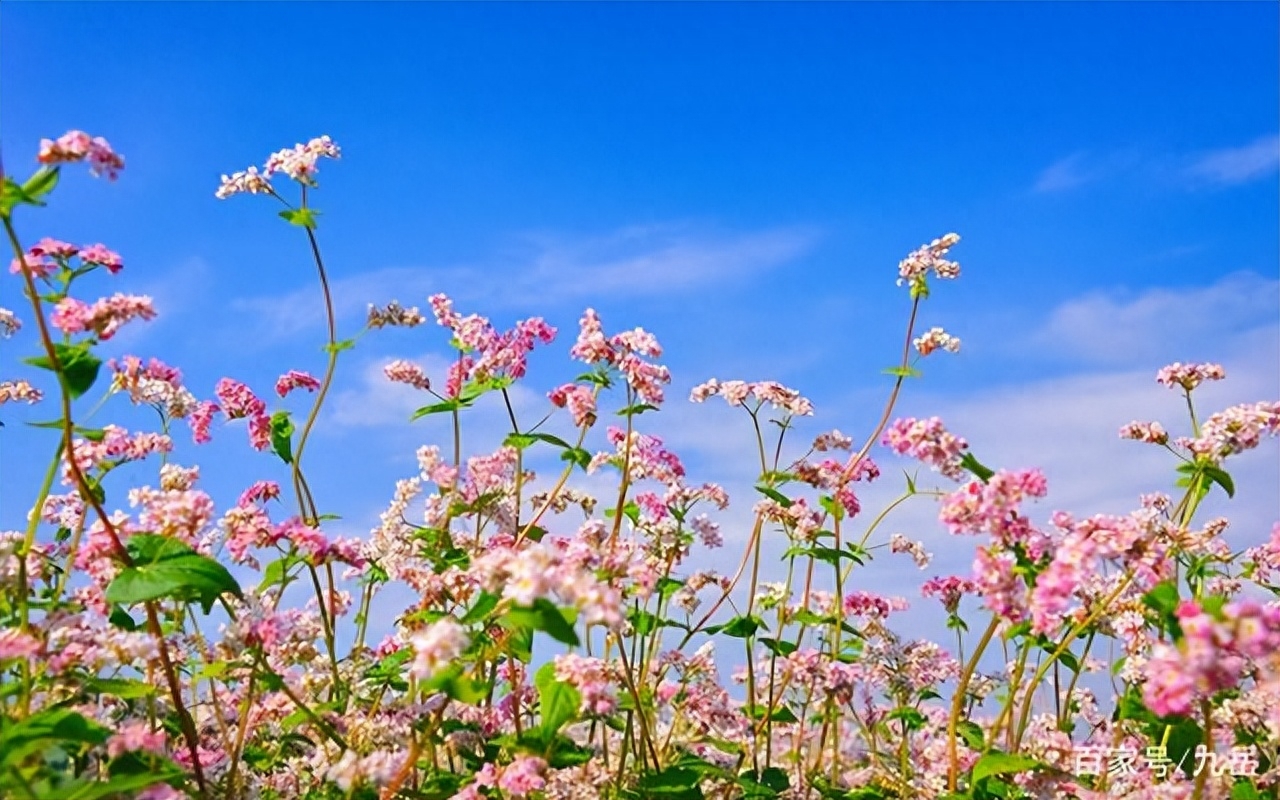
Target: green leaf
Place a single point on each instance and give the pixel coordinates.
(577, 456)
(775, 495)
(902, 372)
(971, 732)
(43, 728)
(972, 464)
(282, 436)
(678, 783)
(643, 622)
(1221, 478)
(741, 627)
(558, 702)
(119, 687)
(639, 408)
(40, 184)
(338, 346)
(452, 404)
(910, 717)
(779, 647)
(303, 217)
(166, 567)
(998, 763)
(545, 617)
(79, 366)
(484, 605)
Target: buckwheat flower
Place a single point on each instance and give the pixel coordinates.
(580, 401)
(238, 400)
(200, 419)
(1149, 432)
(100, 255)
(39, 266)
(936, 339)
(901, 544)
(929, 258)
(260, 432)
(1189, 376)
(19, 391)
(75, 146)
(394, 315)
(929, 441)
(54, 248)
(9, 323)
(259, 492)
(249, 181)
(707, 530)
(406, 372)
(104, 317)
(133, 737)
(832, 440)
(949, 590)
(1235, 430)
(15, 645)
(434, 647)
(293, 379)
(299, 163)
(523, 776)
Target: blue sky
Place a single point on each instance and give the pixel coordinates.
(740, 178)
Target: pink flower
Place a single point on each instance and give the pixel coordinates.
(929, 258)
(299, 163)
(248, 181)
(239, 400)
(200, 419)
(14, 644)
(100, 255)
(736, 393)
(76, 146)
(1149, 432)
(259, 492)
(55, 249)
(134, 737)
(936, 339)
(580, 401)
(104, 317)
(293, 379)
(406, 372)
(1189, 376)
(928, 441)
(9, 323)
(436, 646)
(19, 391)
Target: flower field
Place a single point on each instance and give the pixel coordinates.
(562, 642)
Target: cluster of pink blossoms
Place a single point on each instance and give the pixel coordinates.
(929, 258)
(644, 456)
(298, 163)
(580, 400)
(47, 255)
(627, 352)
(408, 373)
(116, 447)
(19, 391)
(1189, 376)
(736, 393)
(293, 379)
(104, 317)
(9, 323)
(239, 402)
(75, 146)
(1235, 430)
(1215, 652)
(488, 353)
(929, 441)
(936, 339)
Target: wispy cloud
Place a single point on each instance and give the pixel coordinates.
(1226, 166)
(1066, 173)
(541, 270)
(1119, 328)
(1235, 165)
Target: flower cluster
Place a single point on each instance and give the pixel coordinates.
(75, 146)
(737, 393)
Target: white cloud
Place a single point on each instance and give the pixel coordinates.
(1182, 324)
(543, 270)
(1226, 166)
(1065, 173)
(1234, 165)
